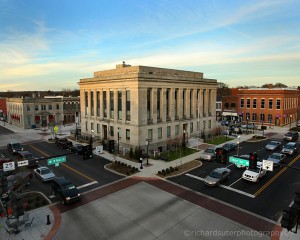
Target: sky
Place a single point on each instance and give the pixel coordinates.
(51, 45)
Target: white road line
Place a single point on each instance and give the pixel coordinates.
(230, 165)
(86, 185)
(51, 196)
(223, 186)
(235, 182)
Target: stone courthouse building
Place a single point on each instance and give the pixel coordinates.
(132, 104)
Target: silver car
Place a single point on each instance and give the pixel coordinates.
(273, 145)
(217, 176)
(44, 174)
(209, 154)
(291, 148)
(277, 158)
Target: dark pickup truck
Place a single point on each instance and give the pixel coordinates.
(63, 143)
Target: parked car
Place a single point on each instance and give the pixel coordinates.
(44, 174)
(249, 126)
(66, 191)
(14, 147)
(209, 154)
(224, 123)
(63, 143)
(26, 155)
(273, 145)
(217, 176)
(291, 136)
(290, 148)
(77, 148)
(229, 146)
(254, 175)
(277, 158)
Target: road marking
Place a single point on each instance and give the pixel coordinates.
(224, 186)
(275, 177)
(66, 166)
(235, 182)
(86, 185)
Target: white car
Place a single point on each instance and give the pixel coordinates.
(254, 175)
(44, 173)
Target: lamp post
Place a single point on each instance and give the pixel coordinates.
(118, 141)
(141, 161)
(76, 134)
(147, 144)
(291, 121)
(247, 126)
(263, 129)
(183, 139)
(238, 143)
(92, 138)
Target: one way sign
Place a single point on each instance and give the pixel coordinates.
(267, 165)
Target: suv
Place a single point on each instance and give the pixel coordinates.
(25, 155)
(14, 147)
(254, 175)
(63, 143)
(291, 136)
(291, 148)
(66, 190)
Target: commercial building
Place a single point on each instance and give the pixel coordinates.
(132, 104)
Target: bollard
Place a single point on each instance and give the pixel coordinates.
(48, 220)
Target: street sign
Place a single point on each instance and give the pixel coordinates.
(9, 166)
(55, 129)
(239, 161)
(22, 163)
(267, 165)
(56, 161)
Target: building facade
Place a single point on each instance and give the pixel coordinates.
(277, 107)
(132, 104)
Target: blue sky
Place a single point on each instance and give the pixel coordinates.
(51, 45)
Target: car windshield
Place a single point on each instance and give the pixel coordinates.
(275, 156)
(16, 145)
(272, 143)
(28, 156)
(289, 147)
(215, 174)
(69, 186)
(254, 169)
(209, 150)
(45, 171)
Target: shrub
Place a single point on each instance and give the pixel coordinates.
(130, 153)
(164, 173)
(176, 169)
(159, 173)
(168, 171)
(127, 173)
(132, 170)
(171, 169)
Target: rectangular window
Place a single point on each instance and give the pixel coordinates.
(57, 106)
(50, 107)
(148, 104)
(176, 129)
(104, 104)
(248, 103)
(254, 104)
(111, 101)
(120, 105)
(28, 108)
(150, 134)
(242, 103)
(36, 107)
(128, 116)
(98, 103)
(270, 103)
(191, 127)
(158, 103)
(86, 103)
(111, 129)
(168, 131)
(159, 132)
(127, 134)
(176, 103)
(262, 103)
(168, 103)
(204, 125)
(98, 128)
(92, 103)
(92, 126)
(278, 104)
(86, 126)
(43, 107)
(183, 104)
(209, 123)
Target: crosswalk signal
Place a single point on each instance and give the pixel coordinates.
(253, 161)
(289, 219)
(221, 155)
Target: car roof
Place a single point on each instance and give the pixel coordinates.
(25, 152)
(291, 143)
(277, 154)
(62, 180)
(220, 170)
(43, 167)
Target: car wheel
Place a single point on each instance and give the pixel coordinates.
(257, 180)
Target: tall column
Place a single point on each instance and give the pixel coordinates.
(187, 104)
(200, 99)
(154, 105)
(180, 104)
(116, 110)
(101, 103)
(172, 104)
(124, 106)
(163, 104)
(95, 103)
(194, 104)
(89, 103)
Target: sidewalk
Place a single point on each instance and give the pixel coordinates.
(40, 229)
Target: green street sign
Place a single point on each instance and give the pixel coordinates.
(55, 129)
(56, 161)
(239, 161)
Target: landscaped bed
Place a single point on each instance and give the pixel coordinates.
(122, 168)
(181, 169)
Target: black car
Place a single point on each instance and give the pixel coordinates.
(291, 136)
(63, 143)
(65, 190)
(229, 146)
(77, 148)
(26, 155)
(14, 147)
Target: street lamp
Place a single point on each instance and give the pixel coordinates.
(183, 139)
(76, 134)
(291, 121)
(147, 144)
(238, 143)
(92, 138)
(247, 125)
(141, 161)
(118, 141)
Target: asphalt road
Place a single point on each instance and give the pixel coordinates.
(267, 198)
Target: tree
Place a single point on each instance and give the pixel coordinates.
(223, 89)
(277, 85)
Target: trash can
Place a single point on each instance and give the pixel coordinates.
(33, 126)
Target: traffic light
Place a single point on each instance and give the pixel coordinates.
(221, 155)
(289, 219)
(87, 152)
(253, 161)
